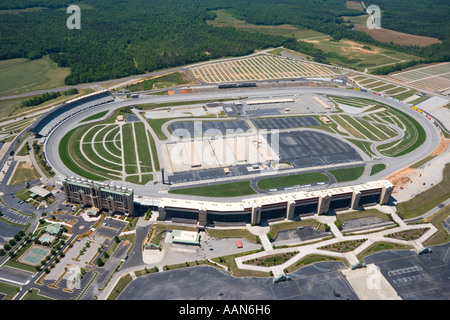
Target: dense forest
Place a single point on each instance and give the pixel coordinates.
(124, 37)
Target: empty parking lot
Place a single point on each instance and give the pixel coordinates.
(310, 148)
(286, 123)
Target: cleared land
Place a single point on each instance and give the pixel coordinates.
(165, 81)
(22, 75)
(358, 56)
(24, 172)
(226, 19)
(388, 36)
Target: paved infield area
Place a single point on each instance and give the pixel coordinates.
(286, 123)
(310, 148)
(304, 234)
(416, 277)
(320, 281)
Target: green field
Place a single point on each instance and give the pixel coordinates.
(129, 149)
(95, 116)
(95, 151)
(291, 180)
(347, 174)
(165, 81)
(377, 168)
(68, 157)
(414, 137)
(24, 172)
(233, 189)
(225, 19)
(143, 149)
(353, 54)
(22, 75)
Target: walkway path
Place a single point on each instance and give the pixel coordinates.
(314, 249)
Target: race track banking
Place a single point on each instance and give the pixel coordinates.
(394, 163)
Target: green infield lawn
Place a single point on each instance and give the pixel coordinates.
(347, 174)
(291, 180)
(233, 189)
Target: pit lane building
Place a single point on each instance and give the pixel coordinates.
(276, 207)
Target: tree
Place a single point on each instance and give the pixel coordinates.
(99, 262)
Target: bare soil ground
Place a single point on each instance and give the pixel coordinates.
(403, 39)
(403, 177)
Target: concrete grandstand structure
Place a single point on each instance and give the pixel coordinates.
(287, 206)
(53, 118)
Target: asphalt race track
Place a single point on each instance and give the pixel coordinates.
(52, 142)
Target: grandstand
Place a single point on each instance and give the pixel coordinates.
(51, 119)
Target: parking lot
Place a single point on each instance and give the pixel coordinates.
(310, 148)
(14, 216)
(416, 277)
(319, 281)
(109, 229)
(15, 275)
(286, 123)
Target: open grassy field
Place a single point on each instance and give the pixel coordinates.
(358, 56)
(226, 19)
(9, 290)
(388, 36)
(233, 189)
(291, 180)
(95, 116)
(414, 137)
(377, 168)
(159, 82)
(107, 150)
(22, 75)
(347, 174)
(24, 172)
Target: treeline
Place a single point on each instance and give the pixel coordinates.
(122, 38)
(40, 99)
(46, 97)
(395, 67)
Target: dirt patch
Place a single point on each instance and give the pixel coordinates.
(403, 39)
(352, 46)
(400, 178)
(26, 165)
(443, 145)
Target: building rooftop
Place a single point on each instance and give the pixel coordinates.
(53, 228)
(187, 237)
(41, 192)
(259, 201)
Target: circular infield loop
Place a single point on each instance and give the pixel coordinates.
(51, 145)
